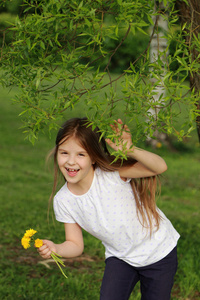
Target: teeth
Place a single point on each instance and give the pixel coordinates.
(71, 170)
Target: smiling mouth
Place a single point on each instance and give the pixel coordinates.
(72, 172)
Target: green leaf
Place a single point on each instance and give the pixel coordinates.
(28, 42)
(141, 30)
(80, 5)
(42, 45)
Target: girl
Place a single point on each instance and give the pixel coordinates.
(115, 202)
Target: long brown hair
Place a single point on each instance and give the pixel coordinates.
(90, 139)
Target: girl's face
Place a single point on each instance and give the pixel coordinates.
(75, 165)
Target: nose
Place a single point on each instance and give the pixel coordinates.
(71, 160)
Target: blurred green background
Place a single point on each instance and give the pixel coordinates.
(26, 184)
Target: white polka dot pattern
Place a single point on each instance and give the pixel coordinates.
(108, 212)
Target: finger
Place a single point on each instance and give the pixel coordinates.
(46, 253)
(119, 121)
(115, 128)
(116, 125)
(43, 250)
(111, 144)
(126, 128)
(122, 125)
(46, 256)
(44, 246)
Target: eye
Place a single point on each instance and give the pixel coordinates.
(81, 154)
(63, 153)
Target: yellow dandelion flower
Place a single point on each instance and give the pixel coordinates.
(29, 233)
(25, 241)
(28, 239)
(38, 243)
(158, 145)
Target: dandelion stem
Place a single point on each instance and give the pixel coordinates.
(59, 262)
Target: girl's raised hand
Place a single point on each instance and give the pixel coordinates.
(123, 139)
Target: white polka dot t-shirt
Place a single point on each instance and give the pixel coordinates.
(108, 212)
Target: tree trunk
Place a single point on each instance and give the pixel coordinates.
(158, 45)
(190, 14)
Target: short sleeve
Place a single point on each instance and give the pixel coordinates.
(117, 178)
(61, 212)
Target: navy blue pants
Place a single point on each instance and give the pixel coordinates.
(156, 280)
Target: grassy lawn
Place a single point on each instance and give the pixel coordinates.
(25, 187)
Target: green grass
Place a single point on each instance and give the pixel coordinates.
(25, 187)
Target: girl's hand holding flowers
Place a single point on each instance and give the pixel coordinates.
(46, 248)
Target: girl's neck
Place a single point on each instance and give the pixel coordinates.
(80, 188)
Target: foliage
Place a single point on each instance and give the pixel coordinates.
(55, 59)
(25, 187)
(11, 7)
(6, 20)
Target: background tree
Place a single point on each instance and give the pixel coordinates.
(189, 13)
(59, 56)
(159, 44)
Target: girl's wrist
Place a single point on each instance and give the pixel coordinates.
(131, 151)
(56, 249)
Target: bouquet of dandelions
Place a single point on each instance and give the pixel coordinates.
(28, 239)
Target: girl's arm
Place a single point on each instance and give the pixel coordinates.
(148, 164)
(72, 247)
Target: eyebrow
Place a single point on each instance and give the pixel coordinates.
(82, 151)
